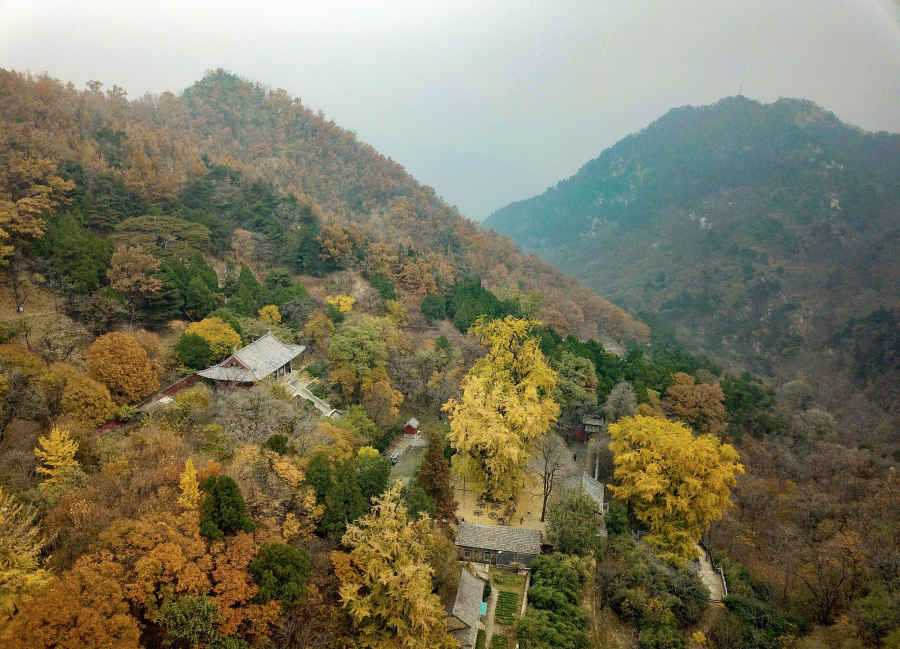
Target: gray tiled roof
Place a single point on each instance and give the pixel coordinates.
(413, 422)
(467, 605)
(498, 537)
(585, 482)
(466, 637)
(261, 358)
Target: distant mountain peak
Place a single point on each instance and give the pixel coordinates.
(757, 227)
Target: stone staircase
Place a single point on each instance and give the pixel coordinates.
(299, 387)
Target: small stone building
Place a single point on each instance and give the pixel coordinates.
(264, 358)
(589, 428)
(592, 427)
(464, 614)
(509, 547)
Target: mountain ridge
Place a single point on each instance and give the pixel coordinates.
(758, 229)
(157, 145)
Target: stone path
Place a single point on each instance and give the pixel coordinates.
(489, 618)
(710, 577)
(299, 387)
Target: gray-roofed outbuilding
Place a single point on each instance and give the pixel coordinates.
(265, 357)
(463, 616)
(513, 547)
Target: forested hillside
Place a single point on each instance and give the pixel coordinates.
(758, 230)
(142, 505)
(231, 166)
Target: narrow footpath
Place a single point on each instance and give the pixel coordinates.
(489, 618)
(710, 577)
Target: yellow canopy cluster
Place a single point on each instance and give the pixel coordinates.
(505, 406)
(677, 483)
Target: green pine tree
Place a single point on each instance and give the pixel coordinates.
(434, 476)
(224, 510)
(344, 503)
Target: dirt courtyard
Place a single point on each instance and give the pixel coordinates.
(527, 512)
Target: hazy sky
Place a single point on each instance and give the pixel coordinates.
(488, 102)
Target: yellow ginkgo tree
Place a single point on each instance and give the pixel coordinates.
(270, 315)
(190, 488)
(506, 405)
(343, 303)
(20, 548)
(58, 453)
(386, 585)
(677, 484)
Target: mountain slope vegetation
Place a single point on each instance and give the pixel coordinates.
(232, 156)
(758, 230)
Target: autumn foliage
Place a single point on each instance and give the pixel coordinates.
(83, 608)
(676, 483)
(386, 580)
(57, 452)
(118, 361)
(698, 404)
(505, 406)
(87, 400)
(220, 336)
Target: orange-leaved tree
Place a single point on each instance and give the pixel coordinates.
(380, 400)
(119, 362)
(28, 188)
(174, 574)
(132, 269)
(83, 608)
(87, 400)
(699, 404)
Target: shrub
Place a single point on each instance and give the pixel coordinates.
(554, 617)
(335, 314)
(383, 443)
(277, 443)
(660, 637)
(486, 592)
(616, 519)
(507, 579)
(499, 641)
